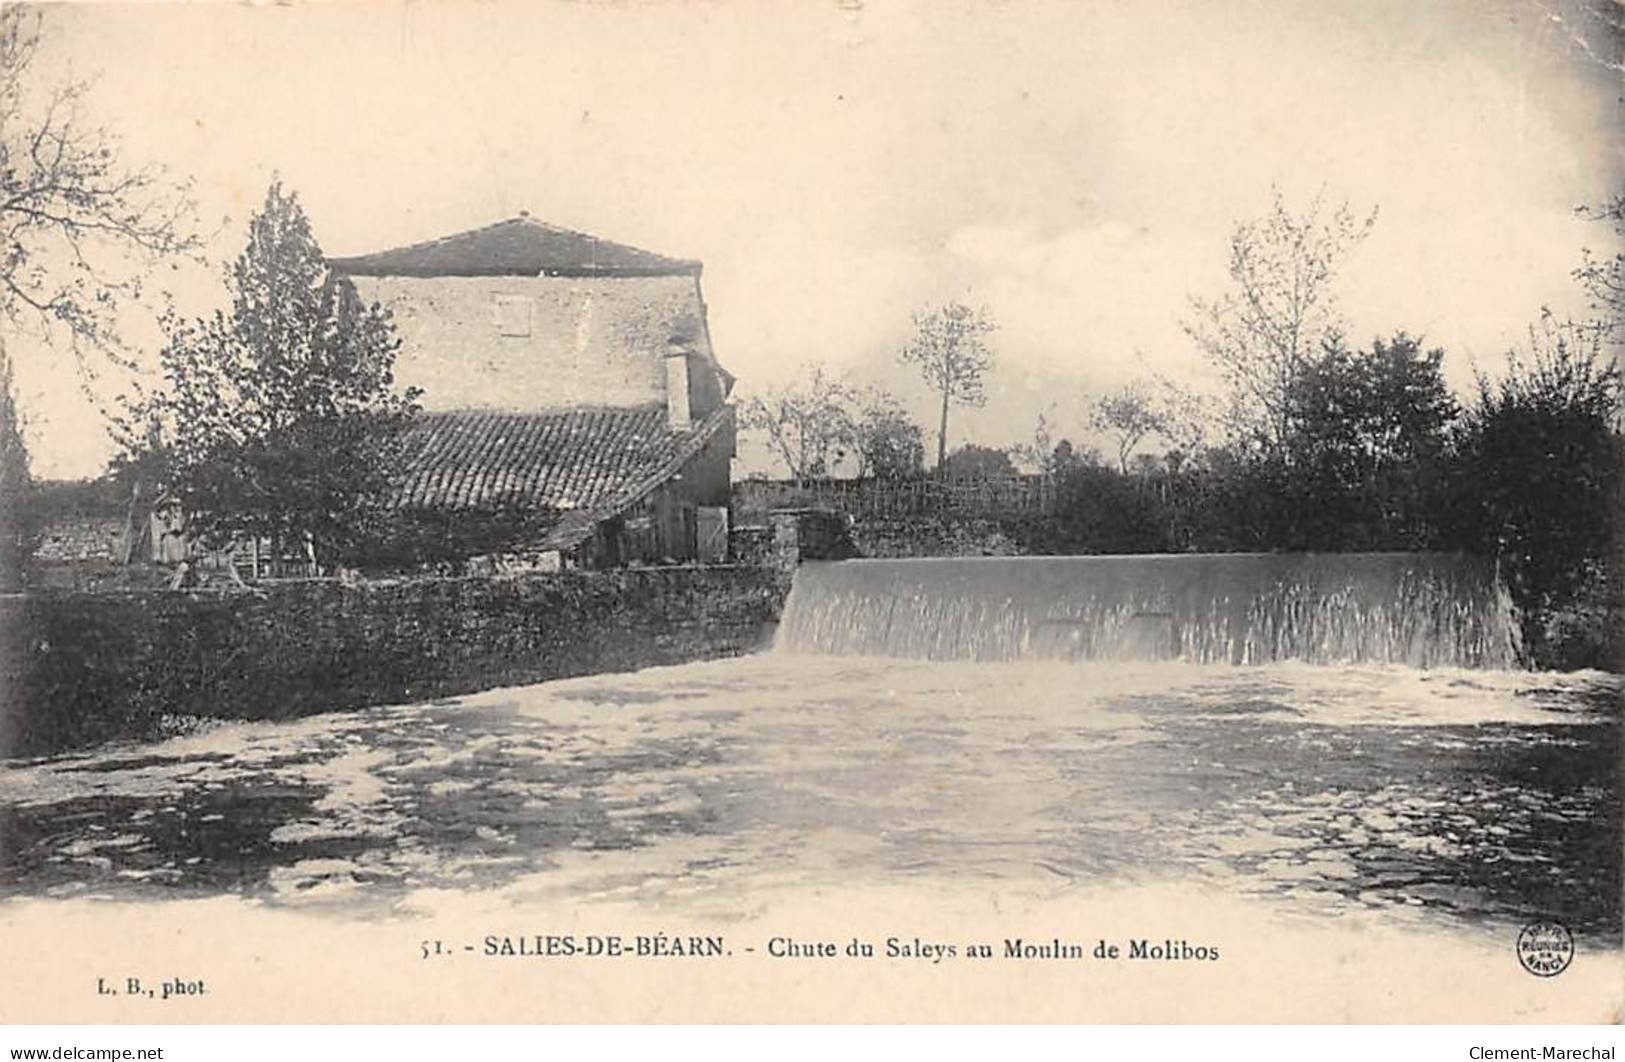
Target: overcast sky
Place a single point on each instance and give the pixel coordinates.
(1075, 167)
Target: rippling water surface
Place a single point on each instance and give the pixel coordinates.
(1466, 797)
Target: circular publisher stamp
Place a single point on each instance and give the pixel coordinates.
(1545, 949)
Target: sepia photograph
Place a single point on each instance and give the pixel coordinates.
(841, 511)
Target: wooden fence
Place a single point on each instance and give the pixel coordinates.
(987, 498)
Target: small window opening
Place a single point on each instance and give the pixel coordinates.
(512, 314)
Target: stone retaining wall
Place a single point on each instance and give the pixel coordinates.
(76, 668)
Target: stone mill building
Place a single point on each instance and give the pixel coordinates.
(574, 411)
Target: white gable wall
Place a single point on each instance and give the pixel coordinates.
(542, 343)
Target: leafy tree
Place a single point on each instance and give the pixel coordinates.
(1065, 457)
(278, 419)
(81, 228)
(1099, 509)
(1128, 415)
(808, 424)
(886, 440)
(1538, 468)
(950, 351)
(1364, 468)
(978, 462)
(1370, 432)
(1279, 313)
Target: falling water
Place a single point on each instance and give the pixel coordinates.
(1418, 609)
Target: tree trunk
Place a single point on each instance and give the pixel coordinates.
(17, 519)
(135, 544)
(942, 433)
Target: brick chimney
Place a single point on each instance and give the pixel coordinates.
(677, 412)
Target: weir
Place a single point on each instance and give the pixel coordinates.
(1416, 609)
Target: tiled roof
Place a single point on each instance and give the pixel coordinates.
(581, 465)
(519, 246)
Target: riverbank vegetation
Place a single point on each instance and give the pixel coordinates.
(1317, 443)
(1334, 448)
(1526, 472)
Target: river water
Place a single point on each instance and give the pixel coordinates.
(1473, 799)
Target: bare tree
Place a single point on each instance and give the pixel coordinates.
(1128, 415)
(1186, 418)
(81, 229)
(1048, 453)
(1039, 453)
(1279, 312)
(1604, 275)
(950, 350)
(807, 424)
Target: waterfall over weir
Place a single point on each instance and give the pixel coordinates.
(1419, 609)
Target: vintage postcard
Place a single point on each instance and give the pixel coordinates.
(831, 511)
